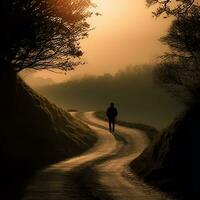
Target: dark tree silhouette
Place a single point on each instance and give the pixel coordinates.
(179, 71)
(183, 37)
(42, 34)
(171, 7)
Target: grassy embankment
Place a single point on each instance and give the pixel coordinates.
(34, 134)
(171, 163)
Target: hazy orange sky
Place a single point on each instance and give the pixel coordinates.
(125, 34)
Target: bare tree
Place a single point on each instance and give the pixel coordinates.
(183, 37)
(171, 7)
(179, 70)
(42, 34)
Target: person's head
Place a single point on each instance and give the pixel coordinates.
(112, 104)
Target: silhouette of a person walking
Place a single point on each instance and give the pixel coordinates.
(112, 114)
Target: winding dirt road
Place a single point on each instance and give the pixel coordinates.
(102, 173)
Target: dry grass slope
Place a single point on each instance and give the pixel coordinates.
(38, 133)
(171, 163)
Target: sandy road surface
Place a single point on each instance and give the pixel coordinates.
(102, 173)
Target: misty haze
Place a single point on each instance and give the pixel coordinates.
(100, 100)
(132, 89)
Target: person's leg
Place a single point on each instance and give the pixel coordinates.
(113, 126)
(110, 128)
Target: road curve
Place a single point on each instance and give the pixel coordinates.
(102, 173)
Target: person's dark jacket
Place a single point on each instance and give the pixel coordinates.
(112, 113)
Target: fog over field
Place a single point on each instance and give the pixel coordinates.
(132, 90)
